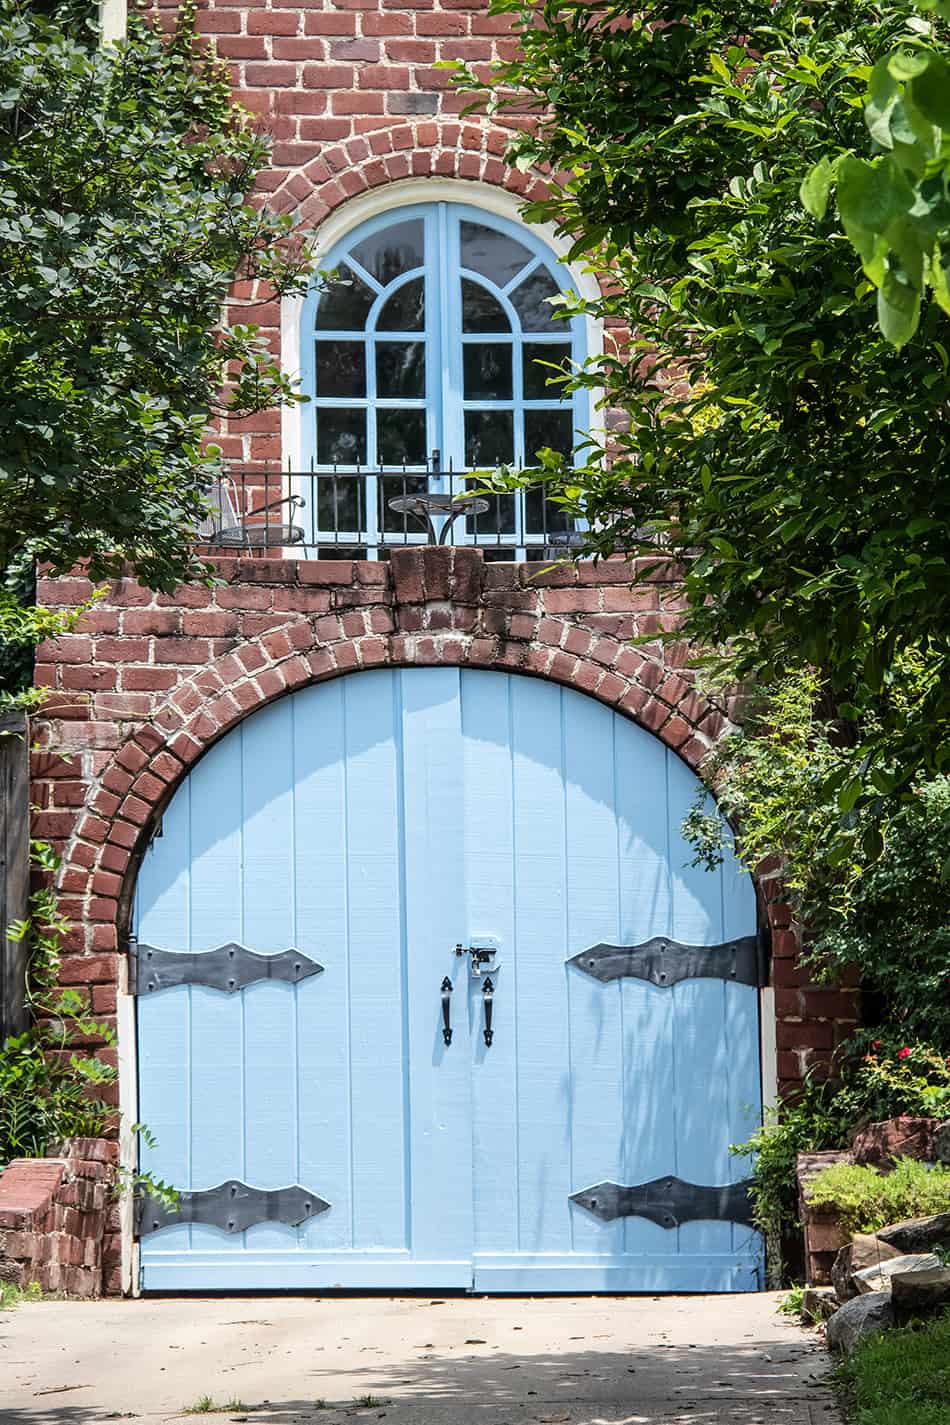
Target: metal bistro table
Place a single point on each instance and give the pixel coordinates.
(424, 507)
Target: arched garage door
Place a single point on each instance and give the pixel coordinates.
(476, 1052)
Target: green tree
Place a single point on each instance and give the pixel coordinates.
(777, 444)
(124, 220)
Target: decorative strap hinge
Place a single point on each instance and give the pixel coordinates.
(230, 967)
(665, 962)
(669, 1201)
(231, 1206)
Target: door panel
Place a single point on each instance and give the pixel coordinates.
(374, 823)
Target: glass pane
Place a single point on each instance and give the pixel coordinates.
(395, 487)
(390, 253)
(344, 305)
(539, 357)
(340, 503)
(341, 368)
(531, 304)
(551, 429)
(481, 312)
(401, 437)
(400, 368)
(542, 516)
(499, 518)
(341, 437)
(492, 253)
(406, 309)
(487, 371)
(489, 438)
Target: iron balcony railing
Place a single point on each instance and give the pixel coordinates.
(364, 512)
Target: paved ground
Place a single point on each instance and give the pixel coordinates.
(502, 1361)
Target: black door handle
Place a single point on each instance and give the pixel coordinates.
(446, 1010)
(488, 996)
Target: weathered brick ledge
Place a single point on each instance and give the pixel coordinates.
(59, 1222)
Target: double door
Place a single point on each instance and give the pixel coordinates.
(347, 892)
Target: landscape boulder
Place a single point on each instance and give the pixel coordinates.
(878, 1277)
(818, 1303)
(881, 1144)
(864, 1316)
(917, 1234)
(863, 1251)
(914, 1292)
(942, 1143)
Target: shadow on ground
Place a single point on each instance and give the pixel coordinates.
(752, 1384)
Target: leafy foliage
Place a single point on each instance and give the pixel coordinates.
(866, 1199)
(777, 444)
(888, 912)
(879, 1078)
(895, 207)
(123, 222)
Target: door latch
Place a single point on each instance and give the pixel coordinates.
(483, 955)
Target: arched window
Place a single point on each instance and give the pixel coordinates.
(431, 353)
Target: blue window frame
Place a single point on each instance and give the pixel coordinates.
(430, 354)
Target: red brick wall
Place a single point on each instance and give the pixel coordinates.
(59, 1220)
(147, 682)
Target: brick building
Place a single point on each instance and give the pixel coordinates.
(489, 975)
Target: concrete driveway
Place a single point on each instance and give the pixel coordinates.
(462, 1361)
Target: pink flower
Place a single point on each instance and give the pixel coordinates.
(903, 1053)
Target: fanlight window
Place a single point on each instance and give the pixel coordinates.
(433, 351)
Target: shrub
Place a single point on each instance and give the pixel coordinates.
(867, 1199)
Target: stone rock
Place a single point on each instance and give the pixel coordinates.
(818, 1303)
(882, 1143)
(864, 1250)
(864, 1316)
(878, 1277)
(920, 1291)
(917, 1234)
(942, 1142)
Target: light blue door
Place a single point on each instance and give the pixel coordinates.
(322, 1131)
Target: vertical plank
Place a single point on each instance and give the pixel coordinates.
(440, 1077)
(489, 888)
(649, 1085)
(14, 869)
(593, 899)
(544, 1051)
(372, 823)
(323, 1051)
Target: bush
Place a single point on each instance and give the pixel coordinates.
(867, 1199)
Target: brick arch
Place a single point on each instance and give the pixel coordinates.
(144, 773)
(440, 147)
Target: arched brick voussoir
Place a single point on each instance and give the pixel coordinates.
(436, 148)
(145, 771)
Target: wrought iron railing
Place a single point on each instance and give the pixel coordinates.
(363, 512)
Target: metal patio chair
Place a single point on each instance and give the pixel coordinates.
(225, 528)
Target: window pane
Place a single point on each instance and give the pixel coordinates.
(539, 357)
(401, 437)
(406, 309)
(341, 437)
(395, 487)
(344, 305)
(491, 253)
(499, 518)
(341, 368)
(400, 368)
(487, 371)
(390, 253)
(489, 438)
(481, 312)
(548, 429)
(542, 516)
(531, 304)
(340, 503)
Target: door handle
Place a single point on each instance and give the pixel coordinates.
(488, 997)
(446, 1010)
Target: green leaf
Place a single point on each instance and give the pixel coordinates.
(898, 307)
(930, 91)
(816, 187)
